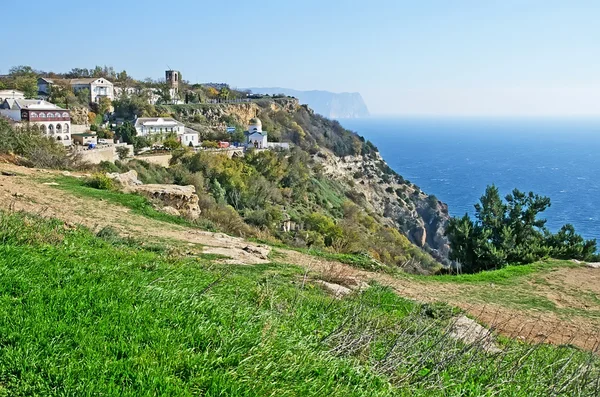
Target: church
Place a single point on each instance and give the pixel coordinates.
(255, 137)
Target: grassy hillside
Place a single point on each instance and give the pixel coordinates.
(104, 315)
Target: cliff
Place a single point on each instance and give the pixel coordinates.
(345, 105)
(374, 186)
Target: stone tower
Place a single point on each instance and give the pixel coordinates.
(172, 78)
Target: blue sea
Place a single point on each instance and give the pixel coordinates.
(455, 159)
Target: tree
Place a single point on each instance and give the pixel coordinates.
(27, 84)
(126, 133)
(83, 96)
(122, 152)
(171, 144)
(510, 231)
(104, 105)
(224, 93)
(139, 143)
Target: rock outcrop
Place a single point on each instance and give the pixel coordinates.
(79, 116)
(213, 114)
(181, 198)
(127, 181)
(172, 199)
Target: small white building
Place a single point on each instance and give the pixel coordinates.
(11, 94)
(53, 121)
(256, 138)
(158, 125)
(190, 137)
(98, 87)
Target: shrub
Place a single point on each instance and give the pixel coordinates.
(100, 181)
(122, 152)
(40, 151)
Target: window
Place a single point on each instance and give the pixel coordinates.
(42, 115)
(33, 115)
(65, 114)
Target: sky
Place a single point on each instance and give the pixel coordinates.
(413, 58)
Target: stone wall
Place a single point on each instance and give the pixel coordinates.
(162, 160)
(96, 156)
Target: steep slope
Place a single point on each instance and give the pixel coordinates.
(341, 167)
(345, 105)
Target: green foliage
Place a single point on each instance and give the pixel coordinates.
(510, 232)
(131, 106)
(126, 132)
(100, 181)
(28, 85)
(171, 143)
(122, 152)
(38, 150)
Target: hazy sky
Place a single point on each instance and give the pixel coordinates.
(424, 57)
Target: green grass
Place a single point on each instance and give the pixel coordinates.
(82, 315)
(507, 275)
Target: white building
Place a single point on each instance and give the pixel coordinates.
(256, 138)
(160, 127)
(52, 120)
(11, 94)
(98, 87)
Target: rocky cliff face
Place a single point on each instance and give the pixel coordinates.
(374, 186)
(345, 105)
(213, 115)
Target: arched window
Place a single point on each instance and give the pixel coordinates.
(42, 115)
(67, 128)
(58, 128)
(33, 115)
(58, 138)
(43, 128)
(51, 129)
(65, 114)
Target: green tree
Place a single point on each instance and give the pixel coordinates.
(171, 143)
(224, 93)
(104, 105)
(511, 231)
(27, 84)
(126, 132)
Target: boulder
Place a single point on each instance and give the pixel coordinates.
(171, 211)
(127, 181)
(471, 333)
(181, 198)
(595, 265)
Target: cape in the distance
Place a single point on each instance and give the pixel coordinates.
(345, 105)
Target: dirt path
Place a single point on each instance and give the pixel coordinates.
(561, 306)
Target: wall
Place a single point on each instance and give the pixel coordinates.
(162, 160)
(95, 156)
(79, 128)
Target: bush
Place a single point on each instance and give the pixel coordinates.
(40, 151)
(100, 181)
(122, 152)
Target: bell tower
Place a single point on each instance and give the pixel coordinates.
(172, 78)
